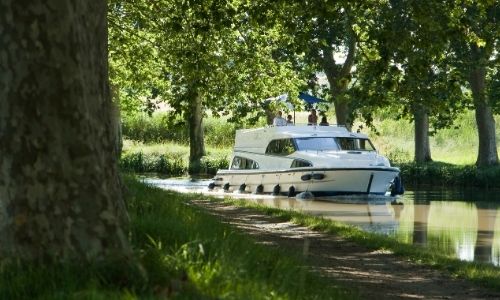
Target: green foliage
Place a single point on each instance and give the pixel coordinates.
(174, 51)
(219, 133)
(154, 163)
(210, 164)
(437, 173)
(455, 145)
(169, 159)
(154, 129)
(167, 127)
(398, 156)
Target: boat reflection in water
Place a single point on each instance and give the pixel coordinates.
(447, 220)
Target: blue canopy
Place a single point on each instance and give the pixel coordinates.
(309, 99)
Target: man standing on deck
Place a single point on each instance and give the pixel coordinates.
(279, 120)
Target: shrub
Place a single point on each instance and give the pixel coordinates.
(167, 127)
(398, 156)
(153, 162)
(157, 128)
(169, 159)
(436, 173)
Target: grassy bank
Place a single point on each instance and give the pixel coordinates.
(445, 174)
(483, 274)
(183, 253)
(169, 158)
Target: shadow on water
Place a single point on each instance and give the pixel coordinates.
(463, 223)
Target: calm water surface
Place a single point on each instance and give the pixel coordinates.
(465, 224)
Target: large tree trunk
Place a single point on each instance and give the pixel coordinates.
(60, 197)
(196, 136)
(422, 145)
(487, 152)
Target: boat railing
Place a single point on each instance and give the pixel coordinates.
(262, 154)
(312, 125)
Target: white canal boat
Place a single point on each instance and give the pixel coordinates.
(322, 160)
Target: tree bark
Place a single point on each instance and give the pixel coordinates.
(422, 145)
(487, 152)
(60, 197)
(196, 136)
(116, 121)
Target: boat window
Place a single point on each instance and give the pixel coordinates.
(355, 144)
(242, 163)
(300, 163)
(317, 143)
(281, 147)
(334, 144)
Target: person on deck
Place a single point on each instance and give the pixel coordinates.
(312, 119)
(289, 121)
(279, 120)
(324, 122)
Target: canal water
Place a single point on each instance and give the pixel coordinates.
(462, 223)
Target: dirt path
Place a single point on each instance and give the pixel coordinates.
(375, 274)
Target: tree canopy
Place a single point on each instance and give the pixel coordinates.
(435, 57)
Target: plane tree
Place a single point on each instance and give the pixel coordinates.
(407, 67)
(461, 38)
(326, 37)
(474, 44)
(458, 42)
(195, 56)
(60, 195)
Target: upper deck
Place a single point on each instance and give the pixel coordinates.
(256, 139)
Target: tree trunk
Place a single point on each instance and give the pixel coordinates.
(60, 197)
(487, 152)
(196, 137)
(116, 121)
(422, 146)
(342, 114)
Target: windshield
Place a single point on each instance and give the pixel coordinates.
(334, 144)
(318, 144)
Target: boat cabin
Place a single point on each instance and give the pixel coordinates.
(297, 146)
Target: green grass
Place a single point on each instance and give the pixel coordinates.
(165, 127)
(483, 274)
(169, 158)
(218, 261)
(456, 145)
(181, 252)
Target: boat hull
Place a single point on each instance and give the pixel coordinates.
(320, 182)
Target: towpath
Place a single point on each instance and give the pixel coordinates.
(374, 274)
